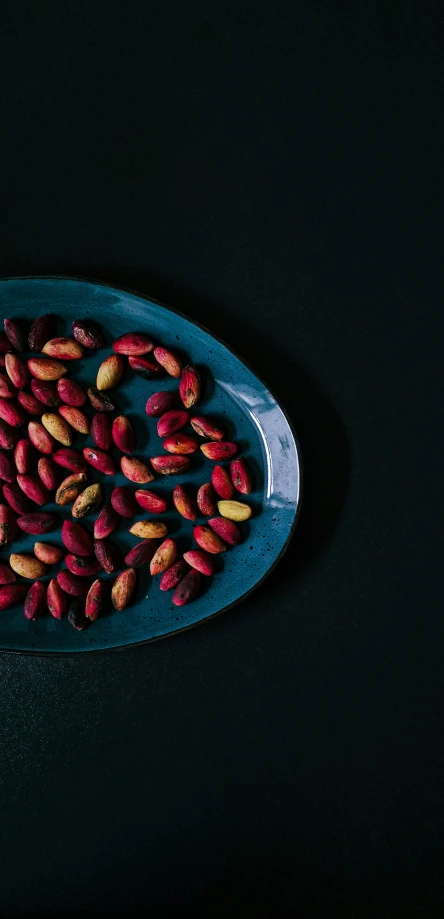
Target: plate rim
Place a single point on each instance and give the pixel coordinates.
(186, 628)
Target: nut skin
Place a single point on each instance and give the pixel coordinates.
(180, 443)
(172, 576)
(219, 450)
(35, 601)
(222, 483)
(63, 349)
(99, 460)
(123, 502)
(185, 502)
(78, 564)
(145, 367)
(11, 413)
(43, 328)
(71, 393)
(100, 431)
(29, 403)
(8, 525)
(207, 427)
(50, 555)
(8, 436)
(87, 334)
(190, 386)
(88, 501)
(135, 470)
(141, 554)
(70, 488)
(7, 468)
(96, 600)
(40, 438)
(161, 402)
(150, 502)
(133, 343)
(187, 589)
(207, 500)
(7, 388)
(17, 371)
(110, 372)
(49, 473)
(169, 360)
(12, 593)
(45, 368)
(17, 500)
(122, 433)
(170, 465)
(38, 524)
(106, 522)
(164, 557)
(73, 584)
(100, 401)
(7, 575)
(76, 539)
(234, 510)
(241, 476)
(75, 418)
(14, 334)
(171, 422)
(33, 488)
(123, 588)
(76, 613)
(26, 566)
(208, 540)
(108, 555)
(5, 344)
(56, 600)
(149, 529)
(201, 561)
(226, 529)
(70, 459)
(58, 428)
(46, 392)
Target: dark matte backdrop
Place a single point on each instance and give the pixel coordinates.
(272, 173)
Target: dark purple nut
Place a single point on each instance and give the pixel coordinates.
(35, 601)
(46, 392)
(8, 436)
(108, 555)
(76, 614)
(5, 344)
(141, 554)
(87, 334)
(8, 390)
(43, 328)
(187, 589)
(79, 564)
(100, 400)
(7, 468)
(14, 334)
(38, 524)
(123, 501)
(73, 584)
(172, 577)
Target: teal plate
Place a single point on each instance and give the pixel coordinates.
(233, 393)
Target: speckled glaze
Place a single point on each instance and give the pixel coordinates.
(235, 395)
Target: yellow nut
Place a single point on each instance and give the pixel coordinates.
(149, 529)
(234, 510)
(88, 501)
(27, 566)
(110, 372)
(58, 428)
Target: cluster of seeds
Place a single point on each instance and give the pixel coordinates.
(32, 468)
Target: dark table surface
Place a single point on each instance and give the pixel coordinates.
(272, 173)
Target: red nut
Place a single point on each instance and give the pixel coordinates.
(5, 344)
(29, 403)
(56, 600)
(47, 553)
(33, 488)
(145, 367)
(187, 589)
(226, 529)
(184, 502)
(75, 418)
(123, 502)
(96, 599)
(35, 601)
(161, 402)
(200, 560)
(135, 470)
(173, 575)
(70, 459)
(207, 427)
(170, 465)
(133, 343)
(164, 557)
(12, 593)
(141, 554)
(7, 468)
(49, 473)
(17, 371)
(169, 360)
(123, 434)
(63, 349)
(79, 564)
(108, 555)
(99, 460)
(14, 334)
(180, 443)
(190, 386)
(40, 438)
(222, 483)
(16, 499)
(171, 422)
(46, 392)
(241, 476)
(43, 328)
(70, 393)
(219, 449)
(7, 388)
(38, 524)
(106, 522)
(150, 502)
(101, 431)
(7, 575)
(11, 413)
(207, 500)
(208, 540)
(87, 334)
(76, 539)
(73, 584)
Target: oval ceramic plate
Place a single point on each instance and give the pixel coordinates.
(234, 394)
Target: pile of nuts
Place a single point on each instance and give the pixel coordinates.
(31, 469)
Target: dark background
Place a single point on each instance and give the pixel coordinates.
(274, 174)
